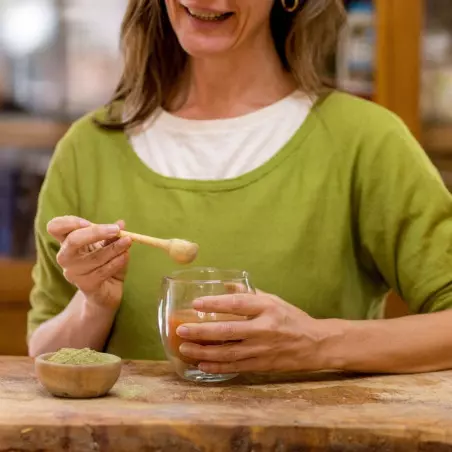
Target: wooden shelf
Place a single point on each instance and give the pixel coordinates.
(443, 163)
(16, 282)
(438, 139)
(15, 286)
(30, 133)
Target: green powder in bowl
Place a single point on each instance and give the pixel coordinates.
(83, 356)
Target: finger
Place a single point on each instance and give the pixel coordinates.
(232, 288)
(61, 227)
(217, 331)
(122, 226)
(244, 304)
(90, 283)
(225, 353)
(259, 364)
(102, 256)
(88, 236)
(113, 267)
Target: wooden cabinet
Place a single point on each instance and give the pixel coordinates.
(398, 87)
(15, 286)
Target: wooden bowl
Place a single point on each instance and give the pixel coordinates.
(77, 381)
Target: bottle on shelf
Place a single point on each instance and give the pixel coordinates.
(355, 64)
(436, 97)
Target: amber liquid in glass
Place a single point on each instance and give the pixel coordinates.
(189, 316)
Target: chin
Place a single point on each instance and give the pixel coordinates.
(201, 48)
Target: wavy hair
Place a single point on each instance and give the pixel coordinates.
(154, 61)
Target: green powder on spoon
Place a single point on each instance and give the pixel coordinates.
(76, 356)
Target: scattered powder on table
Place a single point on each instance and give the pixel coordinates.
(132, 392)
(128, 389)
(79, 356)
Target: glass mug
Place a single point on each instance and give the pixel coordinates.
(178, 292)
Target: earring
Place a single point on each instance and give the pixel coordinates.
(290, 9)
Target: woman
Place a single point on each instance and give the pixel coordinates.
(222, 132)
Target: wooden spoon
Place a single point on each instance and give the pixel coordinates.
(181, 251)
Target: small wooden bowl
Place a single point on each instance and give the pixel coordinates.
(77, 381)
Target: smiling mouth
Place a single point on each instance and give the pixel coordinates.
(207, 15)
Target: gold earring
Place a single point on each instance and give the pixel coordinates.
(290, 9)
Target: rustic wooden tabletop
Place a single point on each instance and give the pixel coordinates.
(150, 409)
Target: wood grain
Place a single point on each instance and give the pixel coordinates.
(15, 280)
(151, 410)
(398, 78)
(13, 328)
(15, 286)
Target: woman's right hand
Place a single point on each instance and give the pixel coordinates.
(93, 258)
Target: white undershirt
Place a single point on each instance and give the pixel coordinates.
(221, 148)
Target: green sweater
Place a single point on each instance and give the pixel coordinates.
(348, 208)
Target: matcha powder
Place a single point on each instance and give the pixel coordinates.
(76, 356)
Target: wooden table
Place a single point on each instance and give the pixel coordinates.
(151, 410)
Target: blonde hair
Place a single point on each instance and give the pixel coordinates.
(154, 61)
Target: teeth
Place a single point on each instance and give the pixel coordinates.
(205, 15)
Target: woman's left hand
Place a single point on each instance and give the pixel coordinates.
(274, 337)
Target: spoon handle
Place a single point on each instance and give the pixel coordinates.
(146, 240)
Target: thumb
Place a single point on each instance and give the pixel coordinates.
(121, 224)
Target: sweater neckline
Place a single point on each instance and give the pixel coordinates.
(254, 175)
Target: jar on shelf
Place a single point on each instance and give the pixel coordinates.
(436, 98)
(356, 50)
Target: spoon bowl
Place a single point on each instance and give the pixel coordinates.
(182, 251)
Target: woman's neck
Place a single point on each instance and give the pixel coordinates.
(235, 84)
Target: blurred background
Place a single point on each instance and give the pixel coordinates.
(60, 58)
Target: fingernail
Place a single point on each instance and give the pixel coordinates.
(197, 304)
(112, 229)
(182, 331)
(84, 223)
(184, 348)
